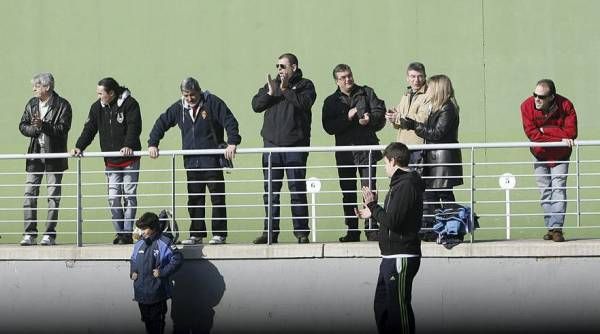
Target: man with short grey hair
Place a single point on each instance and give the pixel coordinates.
(46, 121)
(203, 118)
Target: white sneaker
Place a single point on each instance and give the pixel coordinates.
(47, 241)
(192, 241)
(28, 240)
(217, 240)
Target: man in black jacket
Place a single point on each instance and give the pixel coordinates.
(399, 221)
(46, 120)
(286, 102)
(202, 118)
(353, 114)
(116, 116)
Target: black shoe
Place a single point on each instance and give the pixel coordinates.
(126, 239)
(549, 235)
(263, 239)
(372, 236)
(117, 240)
(351, 236)
(303, 239)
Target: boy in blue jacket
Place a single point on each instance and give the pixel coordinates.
(153, 261)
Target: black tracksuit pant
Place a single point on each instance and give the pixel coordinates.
(392, 305)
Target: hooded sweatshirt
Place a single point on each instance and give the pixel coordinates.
(400, 218)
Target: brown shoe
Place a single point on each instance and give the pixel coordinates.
(557, 236)
(549, 235)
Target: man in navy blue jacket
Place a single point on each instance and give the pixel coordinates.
(153, 261)
(202, 118)
(399, 223)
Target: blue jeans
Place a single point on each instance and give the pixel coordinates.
(552, 182)
(32, 190)
(122, 195)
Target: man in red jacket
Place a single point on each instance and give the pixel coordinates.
(549, 117)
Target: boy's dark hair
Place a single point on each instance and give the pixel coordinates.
(148, 220)
(399, 152)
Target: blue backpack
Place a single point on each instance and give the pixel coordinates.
(451, 225)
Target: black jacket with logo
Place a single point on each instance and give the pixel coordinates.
(55, 126)
(400, 220)
(119, 125)
(288, 116)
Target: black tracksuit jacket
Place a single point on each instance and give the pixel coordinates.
(288, 116)
(400, 220)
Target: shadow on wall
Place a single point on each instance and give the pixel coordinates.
(199, 287)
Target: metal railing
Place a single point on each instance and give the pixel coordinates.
(82, 215)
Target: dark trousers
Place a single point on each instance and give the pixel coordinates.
(392, 305)
(294, 166)
(153, 316)
(347, 172)
(436, 196)
(197, 183)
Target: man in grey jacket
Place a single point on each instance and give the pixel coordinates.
(46, 121)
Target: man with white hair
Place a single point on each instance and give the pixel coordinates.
(46, 121)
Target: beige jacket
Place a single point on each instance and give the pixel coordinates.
(418, 110)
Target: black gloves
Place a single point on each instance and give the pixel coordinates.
(408, 123)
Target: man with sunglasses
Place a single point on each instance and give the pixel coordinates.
(286, 102)
(549, 117)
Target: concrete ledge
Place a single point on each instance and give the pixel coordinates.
(502, 248)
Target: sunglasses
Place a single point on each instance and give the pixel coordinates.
(280, 66)
(541, 97)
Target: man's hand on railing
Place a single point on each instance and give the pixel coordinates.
(76, 152)
(153, 152)
(230, 152)
(569, 141)
(126, 151)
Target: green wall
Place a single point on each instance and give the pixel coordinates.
(494, 51)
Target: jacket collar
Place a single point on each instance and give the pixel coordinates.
(421, 90)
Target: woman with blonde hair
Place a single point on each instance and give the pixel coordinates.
(443, 169)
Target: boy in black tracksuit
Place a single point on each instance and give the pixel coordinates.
(153, 261)
(399, 243)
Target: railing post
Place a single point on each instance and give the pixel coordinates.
(578, 186)
(472, 192)
(79, 214)
(173, 187)
(269, 200)
(370, 185)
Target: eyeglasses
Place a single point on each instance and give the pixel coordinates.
(280, 66)
(541, 97)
